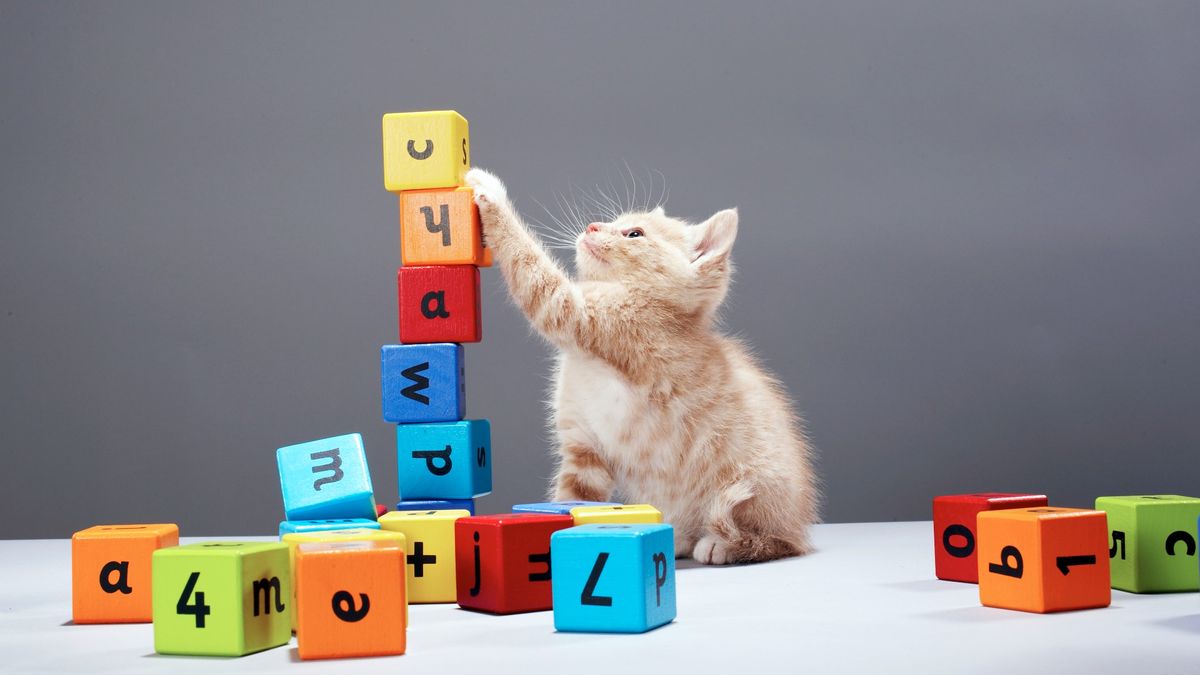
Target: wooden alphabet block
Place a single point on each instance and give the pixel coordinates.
(441, 227)
(622, 513)
(291, 526)
(425, 150)
(326, 479)
(430, 549)
(444, 461)
(439, 304)
(613, 578)
(1152, 542)
(294, 539)
(423, 383)
(221, 598)
(110, 571)
(559, 508)
(954, 552)
(467, 505)
(352, 599)
(1043, 559)
(504, 561)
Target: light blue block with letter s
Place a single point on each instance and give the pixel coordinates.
(326, 479)
(613, 578)
(559, 508)
(450, 460)
(423, 383)
(293, 526)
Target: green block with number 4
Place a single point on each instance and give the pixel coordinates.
(221, 598)
(1152, 542)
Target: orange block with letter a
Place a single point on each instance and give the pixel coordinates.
(441, 227)
(110, 571)
(1043, 559)
(352, 599)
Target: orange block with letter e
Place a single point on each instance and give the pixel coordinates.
(1043, 559)
(441, 227)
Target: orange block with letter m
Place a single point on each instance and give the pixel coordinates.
(1043, 559)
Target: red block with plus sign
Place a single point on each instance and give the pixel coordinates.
(504, 561)
(954, 534)
(439, 304)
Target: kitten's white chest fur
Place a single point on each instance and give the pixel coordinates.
(600, 400)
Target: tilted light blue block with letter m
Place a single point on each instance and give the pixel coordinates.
(444, 461)
(613, 578)
(326, 479)
(423, 383)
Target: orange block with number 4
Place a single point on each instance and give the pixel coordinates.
(441, 227)
(1043, 559)
(110, 571)
(352, 599)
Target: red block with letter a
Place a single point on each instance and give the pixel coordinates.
(954, 533)
(503, 561)
(439, 303)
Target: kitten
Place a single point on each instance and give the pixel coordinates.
(649, 400)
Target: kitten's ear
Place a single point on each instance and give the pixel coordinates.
(714, 237)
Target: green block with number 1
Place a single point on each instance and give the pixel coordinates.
(1152, 542)
(221, 598)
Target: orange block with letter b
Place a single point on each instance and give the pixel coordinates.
(441, 227)
(1043, 559)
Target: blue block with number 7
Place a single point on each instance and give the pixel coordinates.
(326, 479)
(444, 461)
(613, 578)
(423, 383)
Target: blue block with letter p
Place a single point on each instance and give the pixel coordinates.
(444, 461)
(423, 383)
(613, 578)
(326, 479)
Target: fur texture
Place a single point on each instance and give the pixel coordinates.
(650, 401)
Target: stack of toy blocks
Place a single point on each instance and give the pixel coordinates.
(444, 461)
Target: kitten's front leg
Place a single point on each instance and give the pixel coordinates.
(582, 476)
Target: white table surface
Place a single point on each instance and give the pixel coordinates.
(867, 601)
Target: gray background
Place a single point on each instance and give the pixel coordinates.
(969, 234)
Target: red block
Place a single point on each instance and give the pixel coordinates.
(954, 543)
(439, 304)
(504, 561)
(380, 509)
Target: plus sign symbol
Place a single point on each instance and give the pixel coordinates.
(419, 559)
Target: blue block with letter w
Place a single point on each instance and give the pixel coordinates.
(326, 479)
(423, 383)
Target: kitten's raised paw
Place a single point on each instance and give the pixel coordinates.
(711, 551)
(487, 187)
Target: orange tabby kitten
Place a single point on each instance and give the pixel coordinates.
(650, 401)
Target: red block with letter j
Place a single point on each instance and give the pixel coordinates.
(954, 534)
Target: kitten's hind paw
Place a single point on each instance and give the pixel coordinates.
(711, 551)
(489, 190)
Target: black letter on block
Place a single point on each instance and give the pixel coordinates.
(481, 456)
(122, 582)
(198, 610)
(335, 465)
(1015, 570)
(660, 578)
(443, 226)
(433, 305)
(958, 551)
(424, 154)
(1064, 563)
(588, 596)
(1118, 539)
(432, 457)
(478, 576)
(1178, 536)
(420, 382)
(264, 587)
(344, 609)
(540, 559)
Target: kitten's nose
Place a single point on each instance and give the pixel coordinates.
(594, 227)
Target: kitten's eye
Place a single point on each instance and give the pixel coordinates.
(636, 232)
